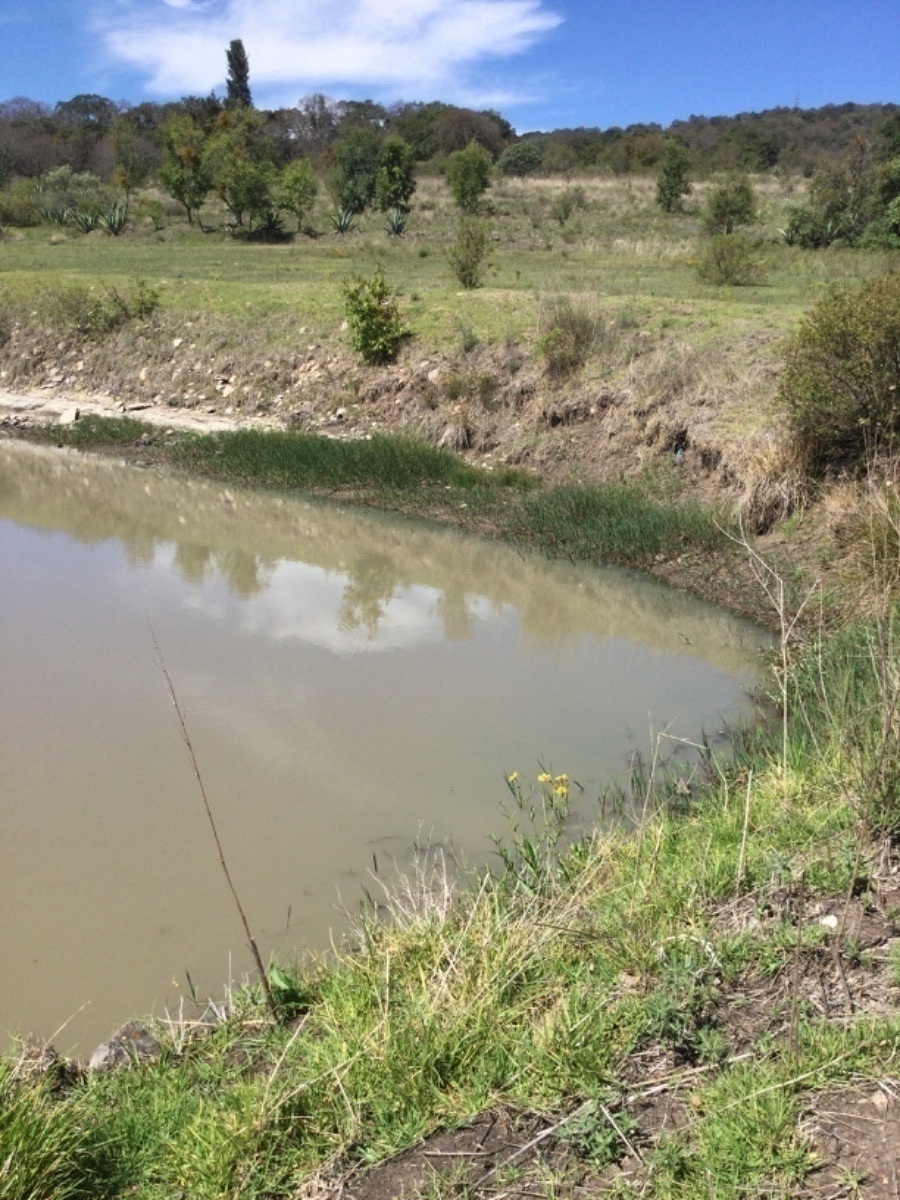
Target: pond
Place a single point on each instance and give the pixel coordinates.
(353, 686)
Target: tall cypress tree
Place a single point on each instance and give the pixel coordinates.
(238, 81)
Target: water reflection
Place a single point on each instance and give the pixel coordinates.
(348, 680)
(245, 539)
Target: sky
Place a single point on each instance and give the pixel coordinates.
(544, 64)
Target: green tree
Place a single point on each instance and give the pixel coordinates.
(729, 204)
(672, 183)
(520, 159)
(468, 174)
(297, 189)
(238, 161)
(237, 83)
(395, 181)
(357, 158)
(183, 173)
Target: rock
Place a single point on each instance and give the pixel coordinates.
(69, 415)
(830, 921)
(434, 375)
(131, 1043)
(176, 342)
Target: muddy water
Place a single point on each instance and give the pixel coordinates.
(351, 684)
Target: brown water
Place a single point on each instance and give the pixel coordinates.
(351, 684)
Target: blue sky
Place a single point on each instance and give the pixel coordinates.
(543, 63)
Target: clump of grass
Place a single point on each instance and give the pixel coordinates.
(297, 460)
(568, 332)
(616, 522)
(38, 1142)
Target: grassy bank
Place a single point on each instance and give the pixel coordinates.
(627, 523)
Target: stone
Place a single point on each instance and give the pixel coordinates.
(69, 415)
(131, 1043)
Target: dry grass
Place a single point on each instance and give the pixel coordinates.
(774, 484)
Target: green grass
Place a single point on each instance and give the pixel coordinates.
(624, 523)
(620, 249)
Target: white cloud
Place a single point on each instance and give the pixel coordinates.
(405, 48)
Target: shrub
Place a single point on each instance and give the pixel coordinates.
(841, 379)
(730, 204)
(469, 251)
(76, 310)
(808, 227)
(376, 324)
(19, 204)
(469, 175)
(730, 259)
(566, 203)
(672, 183)
(568, 333)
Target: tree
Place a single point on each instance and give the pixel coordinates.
(237, 83)
(183, 173)
(520, 159)
(357, 158)
(672, 183)
(730, 204)
(237, 159)
(469, 175)
(297, 189)
(395, 181)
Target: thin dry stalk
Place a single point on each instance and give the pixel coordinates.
(775, 590)
(746, 830)
(186, 737)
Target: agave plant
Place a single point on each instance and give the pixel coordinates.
(85, 219)
(54, 215)
(396, 222)
(115, 218)
(344, 220)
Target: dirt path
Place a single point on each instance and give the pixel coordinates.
(46, 407)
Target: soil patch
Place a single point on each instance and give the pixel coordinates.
(855, 1134)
